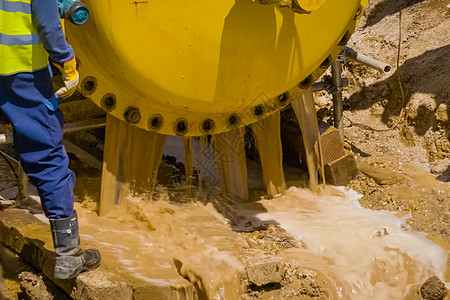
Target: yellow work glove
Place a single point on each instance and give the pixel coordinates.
(70, 76)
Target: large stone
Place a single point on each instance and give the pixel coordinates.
(34, 287)
(381, 175)
(442, 113)
(440, 166)
(433, 289)
(264, 271)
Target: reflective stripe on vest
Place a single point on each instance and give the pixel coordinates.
(20, 47)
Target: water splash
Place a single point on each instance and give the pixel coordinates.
(373, 253)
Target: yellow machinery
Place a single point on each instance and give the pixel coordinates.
(194, 67)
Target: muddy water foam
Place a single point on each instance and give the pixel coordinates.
(373, 253)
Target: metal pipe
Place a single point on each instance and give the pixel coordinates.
(84, 125)
(368, 61)
(7, 138)
(338, 106)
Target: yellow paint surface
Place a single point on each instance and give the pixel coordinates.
(201, 60)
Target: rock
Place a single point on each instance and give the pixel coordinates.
(381, 176)
(33, 287)
(442, 112)
(264, 271)
(380, 233)
(433, 289)
(272, 239)
(244, 297)
(165, 173)
(306, 273)
(308, 284)
(438, 167)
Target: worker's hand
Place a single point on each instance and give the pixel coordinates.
(70, 76)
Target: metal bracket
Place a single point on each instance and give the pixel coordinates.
(338, 83)
(327, 85)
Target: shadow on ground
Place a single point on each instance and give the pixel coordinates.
(387, 8)
(423, 96)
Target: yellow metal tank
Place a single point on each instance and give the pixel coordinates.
(193, 67)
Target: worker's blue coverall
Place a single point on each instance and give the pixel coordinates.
(32, 107)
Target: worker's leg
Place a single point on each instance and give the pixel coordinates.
(29, 102)
(37, 139)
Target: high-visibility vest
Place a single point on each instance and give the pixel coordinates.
(21, 49)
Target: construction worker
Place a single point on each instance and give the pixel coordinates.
(30, 33)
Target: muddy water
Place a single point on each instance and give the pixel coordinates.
(370, 254)
(188, 146)
(267, 135)
(130, 162)
(425, 182)
(305, 111)
(364, 254)
(231, 163)
(166, 245)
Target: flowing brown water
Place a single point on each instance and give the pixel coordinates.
(268, 142)
(364, 254)
(161, 244)
(305, 111)
(231, 162)
(130, 162)
(370, 254)
(188, 159)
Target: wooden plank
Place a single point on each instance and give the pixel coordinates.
(342, 170)
(332, 146)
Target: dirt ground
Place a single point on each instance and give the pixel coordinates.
(400, 122)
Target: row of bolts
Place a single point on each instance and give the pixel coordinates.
(334, 86)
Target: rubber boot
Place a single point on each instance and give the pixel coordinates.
(70, 258)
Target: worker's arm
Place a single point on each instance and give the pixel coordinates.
(46, 19)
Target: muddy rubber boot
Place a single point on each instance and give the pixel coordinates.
(70, 258)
